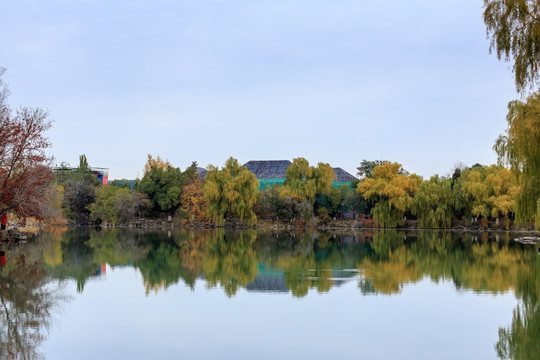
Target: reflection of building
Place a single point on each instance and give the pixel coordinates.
(268, 280)
(273, 280)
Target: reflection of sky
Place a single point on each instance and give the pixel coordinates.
(334, 81)
(114, 319)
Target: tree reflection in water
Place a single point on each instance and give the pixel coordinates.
(229, 260)
(27, 301)
(382, 263)
(521, 340)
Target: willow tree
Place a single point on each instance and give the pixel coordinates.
(520, 149)
(433, 203)
(520, 339)
(492, 190)
(514, 29)
(307, 181)
(391, 191)
(229, 260)
(231, 192)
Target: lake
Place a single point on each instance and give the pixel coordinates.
(379, 294)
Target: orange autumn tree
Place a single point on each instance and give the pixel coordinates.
(193, 201)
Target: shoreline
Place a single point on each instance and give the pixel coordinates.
(273, 225)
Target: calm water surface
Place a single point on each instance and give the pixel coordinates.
(118, 294)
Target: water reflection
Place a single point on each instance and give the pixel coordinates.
(380, 263)
(27, 301)
(521, 339)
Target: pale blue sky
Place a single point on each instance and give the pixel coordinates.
(336, 81)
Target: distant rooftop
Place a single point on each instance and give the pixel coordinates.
(268, 169)
(343, 176)
(201, 172)
(277, 170)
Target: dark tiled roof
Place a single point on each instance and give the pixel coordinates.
(276, 169)
(268, 169)
(343, 176)
(201, 172)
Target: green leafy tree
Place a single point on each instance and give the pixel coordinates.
(231, 191)
(163, 184)
(309, 183)
(366, 168)
(115, 205)
(103, 207)
(432, 204)
(341, 198)
(79, 191)
(461, 203)
(301, 179)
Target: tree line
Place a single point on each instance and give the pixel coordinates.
(386, 192)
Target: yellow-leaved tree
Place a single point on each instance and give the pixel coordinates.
(193, 202)
(492, 190)
(156, 163)
(392, 191)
